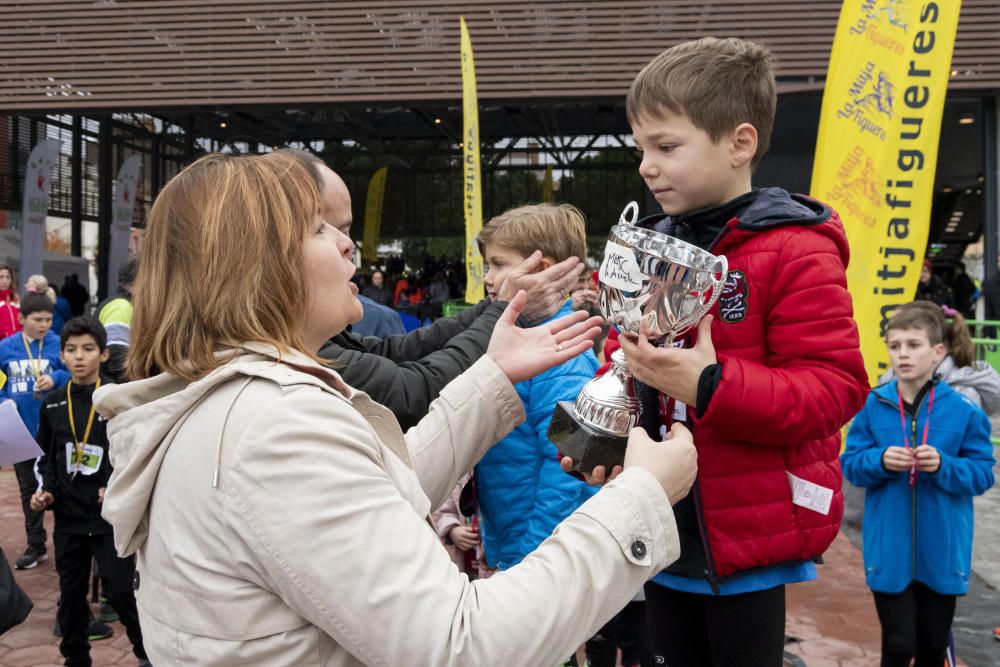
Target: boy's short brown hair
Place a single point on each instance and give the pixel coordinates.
(717, 83)
(558, 230)
(922, 316)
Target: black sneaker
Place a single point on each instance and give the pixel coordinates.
(31, 557)
(98, 630)
(107, 613)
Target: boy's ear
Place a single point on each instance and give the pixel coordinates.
(744, 144)
(545, 263)
(105, 354)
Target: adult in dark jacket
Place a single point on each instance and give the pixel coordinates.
(377, 291)
(991, 295)
(932, 288)
(964, 292)
(406, 373)
(76, 294)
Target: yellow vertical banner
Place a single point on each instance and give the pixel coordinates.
(877, 146)
(547, 185)
(471, 173)
(373, 216)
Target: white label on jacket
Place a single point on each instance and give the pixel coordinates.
(680, 411)
(88, 463)
(619, 268)
(809, 495)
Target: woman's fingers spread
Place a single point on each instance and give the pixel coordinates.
(585, 337)
(567, 321)
(580, 327)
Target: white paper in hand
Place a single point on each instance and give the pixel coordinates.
(16, 444)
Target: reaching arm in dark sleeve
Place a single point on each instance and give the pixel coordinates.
(408, 387)
(425, 340)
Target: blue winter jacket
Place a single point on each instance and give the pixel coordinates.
(20, 387)
(923, 533)
(523, 493)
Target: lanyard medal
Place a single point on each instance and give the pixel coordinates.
(77, 442)
(927, 425)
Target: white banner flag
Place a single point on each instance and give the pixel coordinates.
(37, 180)
(121, 217)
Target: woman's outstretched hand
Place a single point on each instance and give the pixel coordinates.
(524, 353)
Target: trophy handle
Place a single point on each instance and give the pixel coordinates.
(630, 214)
(722, 269)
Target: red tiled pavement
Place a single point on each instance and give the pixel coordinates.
(31, 644)
(834, 617)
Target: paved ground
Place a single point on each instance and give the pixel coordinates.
(979, 611)
(833, 619)
(31, 644)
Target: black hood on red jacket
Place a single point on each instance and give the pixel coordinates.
(758, 210)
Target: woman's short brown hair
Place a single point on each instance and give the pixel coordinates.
(222, 263)
(558, 230)
(716, 83)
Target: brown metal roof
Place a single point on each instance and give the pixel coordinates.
(147, 54)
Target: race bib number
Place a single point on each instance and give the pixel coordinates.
(809, 495)
(87, 461)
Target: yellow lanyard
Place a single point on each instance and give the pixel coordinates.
(90, 420)
(36, 365)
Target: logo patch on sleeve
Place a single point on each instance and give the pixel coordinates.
(733, 302)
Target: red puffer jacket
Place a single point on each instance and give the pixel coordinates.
(791, 376)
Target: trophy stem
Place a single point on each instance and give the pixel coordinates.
(608, 404)
(619, 364)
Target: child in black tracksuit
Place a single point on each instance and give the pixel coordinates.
(75, 469)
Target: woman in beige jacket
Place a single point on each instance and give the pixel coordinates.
(280, 517)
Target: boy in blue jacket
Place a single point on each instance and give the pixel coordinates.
(523, 493)
(921, 451)
(30, 360)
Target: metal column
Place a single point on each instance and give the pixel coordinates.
(104, 181)
(991, 186)
(76, 190)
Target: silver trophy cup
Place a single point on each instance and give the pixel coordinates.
(648, 282)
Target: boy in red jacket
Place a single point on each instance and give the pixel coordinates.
(767, 379)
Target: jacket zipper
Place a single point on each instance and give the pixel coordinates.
(913, 492)
(713, 579)
(913, 512)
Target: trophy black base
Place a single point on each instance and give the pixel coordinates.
(587, 447)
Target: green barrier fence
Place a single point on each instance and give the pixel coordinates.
(454, 307)
(985, 337)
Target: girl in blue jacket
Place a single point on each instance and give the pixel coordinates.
(921, 451)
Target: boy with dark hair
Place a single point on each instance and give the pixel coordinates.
(30, 360)
(75, 472)
(765, 382)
